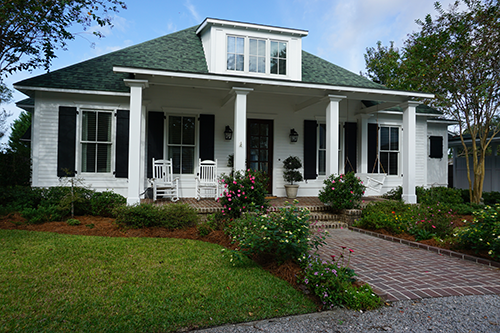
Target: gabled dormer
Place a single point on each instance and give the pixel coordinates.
(236, 48)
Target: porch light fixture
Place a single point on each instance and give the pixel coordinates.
(228, 133)
(294, 136)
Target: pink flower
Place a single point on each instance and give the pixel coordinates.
(229, 199)
(333, 188)
(229, 208)
(234, 181)
(352, 192)
(434, 227)
(239, 195)
(351, 250)
(251, 187)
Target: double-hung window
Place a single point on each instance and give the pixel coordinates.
(257, 56)
(181, 143)
(278, 58)
(322, 149)
(96, 141)
(235, 53)
(389, 150)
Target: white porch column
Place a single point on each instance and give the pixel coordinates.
(134, 158)
(332, 134)
(409, 149)
(240, 127)
(364, 143)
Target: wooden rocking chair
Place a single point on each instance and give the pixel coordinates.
(164, 183)
(207, 184)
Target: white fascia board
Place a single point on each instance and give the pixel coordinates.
(292, 84)
(442, 121)
(73, 91)
(252, 26)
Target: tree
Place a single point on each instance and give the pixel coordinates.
(31, 31)
(382, 63)
(16, 161)
(456, 56)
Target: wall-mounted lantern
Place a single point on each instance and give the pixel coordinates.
(294, 136)
(228, 133)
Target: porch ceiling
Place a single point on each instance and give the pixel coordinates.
(271, 86)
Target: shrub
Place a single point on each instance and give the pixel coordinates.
(484, 232)
(42, 214)
(16, 198)
(73, 222)
(243, 192)
(291, 174)
(427, 221)
(333, 281)
(342, 192)
(383, 215)
(283, 234)
(104, 203)
(394, 194)
(171, 216)
(423, 221)
(432, 195)
(214, 222)
(491, 198)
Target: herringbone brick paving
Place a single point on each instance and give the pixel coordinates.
(400, 272)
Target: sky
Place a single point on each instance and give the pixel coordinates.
(339, 30)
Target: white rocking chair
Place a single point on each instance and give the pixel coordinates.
(207, 184)
(164, 183)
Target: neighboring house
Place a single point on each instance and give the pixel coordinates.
(491, 164)
(173, 97)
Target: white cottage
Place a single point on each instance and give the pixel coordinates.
(174, 97)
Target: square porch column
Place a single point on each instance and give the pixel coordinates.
(409, 150)
(134, 160)
(332, 134)
(364, 143)
(240, 128)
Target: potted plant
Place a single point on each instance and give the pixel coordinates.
(291, 174)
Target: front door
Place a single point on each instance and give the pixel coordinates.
(260, 147)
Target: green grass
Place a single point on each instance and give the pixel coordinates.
(57, 283)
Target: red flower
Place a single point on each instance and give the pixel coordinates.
(351, 250)
(343, 247)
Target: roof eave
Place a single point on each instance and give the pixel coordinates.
(269, 82)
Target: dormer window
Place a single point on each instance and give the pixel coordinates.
(235, 53)
(278, 58)
(256, 55)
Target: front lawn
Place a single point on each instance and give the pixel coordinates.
(52, 282)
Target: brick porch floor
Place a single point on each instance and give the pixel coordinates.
(400, 272)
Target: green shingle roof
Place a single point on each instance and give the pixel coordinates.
(421, 108)
(181, 51)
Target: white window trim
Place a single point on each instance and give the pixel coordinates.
(379, 151)
(79, 149)
(196, 140)
(246, 60)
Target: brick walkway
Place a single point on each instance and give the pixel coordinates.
(400, 272)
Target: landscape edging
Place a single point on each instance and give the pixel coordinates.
(438, 250)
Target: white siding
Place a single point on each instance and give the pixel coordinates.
(437, 168)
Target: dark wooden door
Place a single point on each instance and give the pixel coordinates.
(260, 147)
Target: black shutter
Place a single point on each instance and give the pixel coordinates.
(310, 149)
(66, 142)
(436, 147)
(350, 145)
(155, 139)
(122, 143)
(372, 148)
(207, 137)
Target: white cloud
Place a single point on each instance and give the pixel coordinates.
(192, 10)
